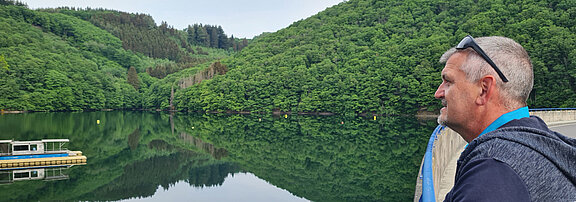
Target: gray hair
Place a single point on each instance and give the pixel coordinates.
(511, 58)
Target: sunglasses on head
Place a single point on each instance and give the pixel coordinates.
(468, 42)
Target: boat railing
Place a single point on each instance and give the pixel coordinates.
(55, 145)
(5, 147)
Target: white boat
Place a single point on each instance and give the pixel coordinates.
(18, 154)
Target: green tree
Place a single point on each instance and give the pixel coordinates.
(132, 78)
(3, 64)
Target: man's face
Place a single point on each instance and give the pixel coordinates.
(457, 94)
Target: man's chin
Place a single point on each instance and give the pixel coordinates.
(441, 120)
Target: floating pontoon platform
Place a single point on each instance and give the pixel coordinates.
(42, 153)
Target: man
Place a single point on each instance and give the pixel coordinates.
(511, 156)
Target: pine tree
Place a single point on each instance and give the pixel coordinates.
(202, 37)
(222, 39)
(133, 78)
(192, 34)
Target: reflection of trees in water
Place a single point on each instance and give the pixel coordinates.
(143, 178)
(321, 159)
(131, 154)
(211, 175)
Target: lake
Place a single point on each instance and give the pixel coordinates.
(161, 156)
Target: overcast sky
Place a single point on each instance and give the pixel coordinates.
(241, 18)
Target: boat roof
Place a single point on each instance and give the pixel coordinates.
(55, 140)
(43, 140)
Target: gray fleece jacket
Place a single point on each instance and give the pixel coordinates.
(522, 160)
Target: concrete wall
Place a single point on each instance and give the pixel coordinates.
(553, 117)
(447, 149)
(449, 145)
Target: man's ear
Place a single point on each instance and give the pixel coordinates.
(487, 86)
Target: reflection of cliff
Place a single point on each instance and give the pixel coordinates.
(217, 153)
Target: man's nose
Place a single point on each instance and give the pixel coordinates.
(439, 92)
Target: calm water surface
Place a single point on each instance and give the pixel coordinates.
(158, 156)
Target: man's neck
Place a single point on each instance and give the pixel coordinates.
(485, 117)
(494, 120)
(505, 118)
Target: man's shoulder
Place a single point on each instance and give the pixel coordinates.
(520, 143)
(533, 152)
(501, 149)
(487, 179)
(529, 132)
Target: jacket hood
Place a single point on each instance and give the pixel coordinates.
(533, 133)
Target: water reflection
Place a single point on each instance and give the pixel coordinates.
(236, 187)
(131, 154)
(8, 176)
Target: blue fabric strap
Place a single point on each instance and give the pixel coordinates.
(505, 118)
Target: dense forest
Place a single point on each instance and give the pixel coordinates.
(89, 59)
(365, 56)
(139, 33)
(360, 56)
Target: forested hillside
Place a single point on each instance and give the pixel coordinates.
(58, 62)
(139, 33)
(372, 56)
(75, 59)
(361, 56)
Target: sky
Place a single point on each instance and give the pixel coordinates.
(236, 187)
(241, 18)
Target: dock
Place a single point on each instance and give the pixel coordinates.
(74, 158)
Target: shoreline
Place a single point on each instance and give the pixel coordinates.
(13, 112)
(420, 114)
